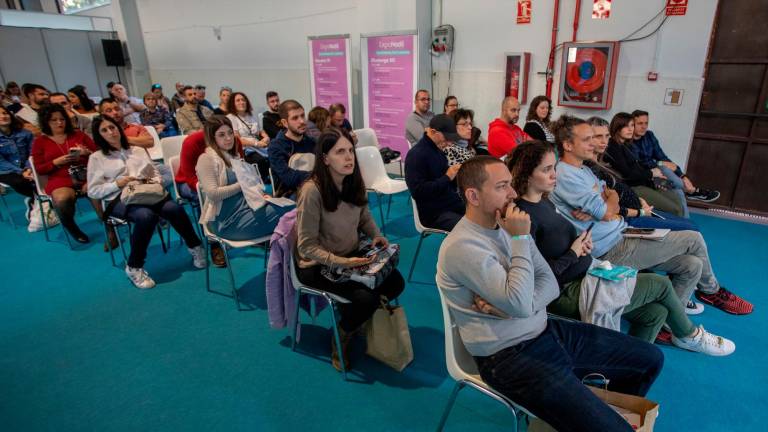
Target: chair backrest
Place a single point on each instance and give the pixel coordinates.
(458, 361)
(371, 165)
(416, 221)
(155, 152)
(173, 163)
(366, 137)
(171, 146)
(40, 181)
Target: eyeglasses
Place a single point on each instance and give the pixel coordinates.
(424, 99)
(463, 123)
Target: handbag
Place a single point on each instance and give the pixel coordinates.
(388, 337)
(79, 175)
(371, 275)
(388, 155)
(140, 193)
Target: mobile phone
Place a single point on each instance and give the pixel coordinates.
(74, 151)
(589, 228)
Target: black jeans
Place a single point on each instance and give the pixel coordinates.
(544, 374)
(364, 301)
(18, 183)
(145, 220)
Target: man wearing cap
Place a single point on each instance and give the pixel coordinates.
(162, 100)
(431, 181)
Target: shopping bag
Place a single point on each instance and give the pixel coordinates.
(250, 183)
(389, 340)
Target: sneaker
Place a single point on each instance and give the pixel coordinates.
(139, 277)
(726, 301)
(29, 203)
(706, 343)
(664, 337)
(703, 195)
(693, 308)
(198, 257)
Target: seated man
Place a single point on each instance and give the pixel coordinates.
(497, 287)
(418, 120)
(136, 133)
(200, 96)
(584, 199)
(271, 118)
(131, 106)
(289, 141)
(429, 178)
(191, 116)
(503, 133)
(37, 96)
(186, 179)
(648, 152)
(157, 116)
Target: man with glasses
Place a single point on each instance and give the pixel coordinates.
(430, 179)
(419, 119)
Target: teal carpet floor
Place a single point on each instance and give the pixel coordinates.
(82, 350)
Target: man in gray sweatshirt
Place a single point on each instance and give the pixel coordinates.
(497, 286)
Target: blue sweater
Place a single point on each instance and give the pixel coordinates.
(14, 151)
(648, 152)
(433, 191)
(579, 188)
(280, 151)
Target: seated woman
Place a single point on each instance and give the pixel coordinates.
(647, 183)
(653, 300)
(80, 101)
(635, 210)
(332, 211)
(157, 116)
(538, 119)
(226, 212)
(471, 140)
(62, 153)
(15, 145)
(450, 104)
(255, 141)
(318, 121)
(109, 171)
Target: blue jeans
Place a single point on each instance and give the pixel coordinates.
(544, 374)
(670, 221)
(677, 182)
(145, 219)
(187, 193)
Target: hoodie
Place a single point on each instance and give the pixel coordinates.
(503, 137)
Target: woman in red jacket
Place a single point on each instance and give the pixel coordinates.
(61, 153)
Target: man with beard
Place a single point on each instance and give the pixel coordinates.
(289, 141)
(503, 133)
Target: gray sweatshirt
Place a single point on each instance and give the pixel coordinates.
(509, 273)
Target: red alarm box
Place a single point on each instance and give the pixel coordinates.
(588, 74)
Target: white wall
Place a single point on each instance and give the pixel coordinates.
(263, 43)
(478, 77)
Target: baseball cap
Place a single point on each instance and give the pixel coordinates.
(445, 125)
(156, 86)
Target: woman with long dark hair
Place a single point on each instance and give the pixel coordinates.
(650, 184)
(80, 101)
(332, 212)
(62, 153)
(15, 146)
(568, 252)
(538, 119)
(246, 126)
(113, 168)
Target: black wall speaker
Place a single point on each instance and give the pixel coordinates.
(113, 52)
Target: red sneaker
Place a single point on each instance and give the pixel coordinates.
(664, 337)
(726, 301)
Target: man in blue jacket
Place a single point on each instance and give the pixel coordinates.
(647, 150)
(288, 142)
(431, 181)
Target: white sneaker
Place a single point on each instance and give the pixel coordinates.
(693, 308)
(706, 343)
(28, 204)
(139, 277)
(198, 257)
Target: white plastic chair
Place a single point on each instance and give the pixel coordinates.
(155, 152)
(171, 146)
(42, 197)
(423, 233)
(463, 369)
(376, 179)
(173, 164)
(366, 137)
(225, 246)
(333, 301)
(5, 205)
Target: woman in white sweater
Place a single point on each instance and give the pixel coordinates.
(226, 211)
(112, 169)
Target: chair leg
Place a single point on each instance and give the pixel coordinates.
(389, 205)
(337, 337)
(43, 218)
(162, 239)
(454, 394)
(121, 243)
(111, 252)
(381, 215)
(415, 256)
(231, 276)
(207, 265)
(296, 320)
(266, 254)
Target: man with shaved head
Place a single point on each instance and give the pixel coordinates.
(503, 133)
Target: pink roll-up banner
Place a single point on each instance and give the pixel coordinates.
(389, 67)
(329, 67)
